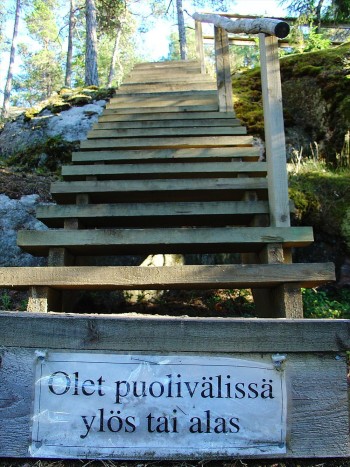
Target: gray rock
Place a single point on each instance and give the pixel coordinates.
(16, 215)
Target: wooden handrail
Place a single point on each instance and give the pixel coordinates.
(268, 30)
(269, 26)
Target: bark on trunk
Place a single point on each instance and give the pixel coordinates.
(91, 73)
(182, 31)
(68, 77)
(273, 27)
(115, 56)
(8, 86)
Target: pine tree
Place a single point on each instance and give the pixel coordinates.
(91, 71)
(9, 80)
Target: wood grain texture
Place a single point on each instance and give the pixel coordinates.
(163, 170)
(163, 109)
(177, 131)
(173, 154)
(170, 214)
(167, 123)
(113, 115)
(170, 277)
(156, 190)
(169, 142)
(223, 73)
(274, 131)
(156, 240)
(318, 397)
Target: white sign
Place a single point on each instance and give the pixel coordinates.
(147, 406)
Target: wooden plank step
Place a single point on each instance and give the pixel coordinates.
(159, 78)
(160, 132)
(155, 214)
(162, 109)
(116, 116)
(167, 64)
(171, 277)
(166, 71)
(165, 170)
(162, 155)
(162, 240)
(127, 96)
(170, 123)
(168, 142)
(135, 88)
(159, 102)
(199, 189)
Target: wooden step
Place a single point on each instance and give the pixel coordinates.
(173, 123)
(159, 78)
(168, 142)
(158, 86)
(201, 189)
(163, 240)
(167, 64)
(171, 277)
(161, 102)
(153, 214)
(117, 116)
(163, 170)
(163, 109)
(160, 96)
(160, 132)
(163, 155)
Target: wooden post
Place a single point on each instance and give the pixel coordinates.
(274, 132)
(199, 45)
(223, 73)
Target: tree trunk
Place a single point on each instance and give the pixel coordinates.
(182, 31)
(115, 55)
(91, 73)
(68, 78)
(8, 86)
(318, 15)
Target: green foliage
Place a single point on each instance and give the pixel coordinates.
(321, 196)
(334, 304)
(345, 228)
(315, 41)
(12, 300)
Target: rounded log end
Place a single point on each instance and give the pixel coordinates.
(282, 29)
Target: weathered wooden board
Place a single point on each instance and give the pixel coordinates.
(164, 109)
(113, 115)
(175, 155)
(170, 277)
(170, 123)
(163, 170)
(318, 411)
(182, 131)
(161, 96)
(148, 241)
(156, 214)
(195, 189)
(169, 142)
(140, 101)
(162, 86)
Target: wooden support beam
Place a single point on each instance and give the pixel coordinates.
(274, 131)
(223, 74)
(199, 45)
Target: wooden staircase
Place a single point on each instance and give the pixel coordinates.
(163, 171)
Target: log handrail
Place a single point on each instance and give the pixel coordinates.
(268, 30)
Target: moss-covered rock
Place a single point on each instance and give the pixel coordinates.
(316, 100)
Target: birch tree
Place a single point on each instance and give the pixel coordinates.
(9, 79)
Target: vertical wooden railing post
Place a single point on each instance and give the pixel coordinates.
(274, 131)
(223, 73)
(200, 45)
